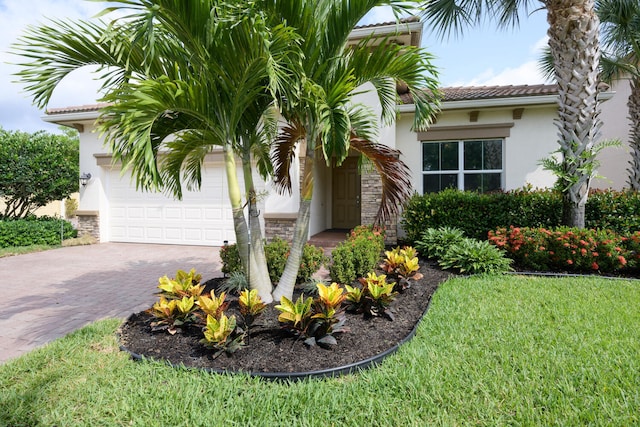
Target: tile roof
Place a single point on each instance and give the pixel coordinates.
(459, 93)
(76, 109)
(469, 93)
(407, 20)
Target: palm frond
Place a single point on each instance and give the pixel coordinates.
(283, 155)
(394, 173)
(545, 64)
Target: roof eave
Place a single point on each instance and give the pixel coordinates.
(499, 102)
(414, 28)
(61, 118)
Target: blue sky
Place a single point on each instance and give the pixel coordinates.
(483, 56)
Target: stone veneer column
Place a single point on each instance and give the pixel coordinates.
(371, 196)
(89, 223)
(282, 225)
(279, 225)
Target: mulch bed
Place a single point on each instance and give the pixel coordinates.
(270, 349)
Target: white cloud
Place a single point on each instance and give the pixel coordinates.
(539, 45)
(16, 111)
(526, 73)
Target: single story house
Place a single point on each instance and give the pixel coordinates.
(484, 138)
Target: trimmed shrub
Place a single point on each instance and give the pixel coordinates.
(342, 269)
(358, 255)
(476, 214)
(34, 231)
(613, 210)
(276, 252)
(230, 259)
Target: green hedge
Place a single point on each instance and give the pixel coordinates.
(476, 214)
(34, 231)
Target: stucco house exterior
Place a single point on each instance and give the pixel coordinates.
(483, 138)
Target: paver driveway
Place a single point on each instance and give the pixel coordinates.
(46, 295)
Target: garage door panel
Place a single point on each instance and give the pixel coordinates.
(173, 234)
(153, 213)
(173, 213)
(200, 218)
(135, 213)
(193, 214)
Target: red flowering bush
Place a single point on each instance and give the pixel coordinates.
(568, 249)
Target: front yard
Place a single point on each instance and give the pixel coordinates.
(492, 350)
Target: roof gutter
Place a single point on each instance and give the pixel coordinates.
(389, 30)
(71, 117)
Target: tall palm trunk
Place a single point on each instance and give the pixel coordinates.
(241, 230)
(573, 40)
(634, 134)
(258, 275)
(301, 231)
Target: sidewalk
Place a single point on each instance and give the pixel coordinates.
(49, 294)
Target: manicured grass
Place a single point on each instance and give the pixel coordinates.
(494, 350)
(20, 250)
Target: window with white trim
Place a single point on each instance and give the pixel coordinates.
(474, 165)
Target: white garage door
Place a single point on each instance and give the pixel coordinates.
(200, 218)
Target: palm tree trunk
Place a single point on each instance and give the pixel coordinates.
(634, 134)
(259, 274)
(573, 39)
(241, 229)
(301, 231)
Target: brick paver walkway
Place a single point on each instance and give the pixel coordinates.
(46, 295)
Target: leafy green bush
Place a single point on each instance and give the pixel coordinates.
(370, 232)
(568, 249)
(476, 214)
(475, 257)
(312, 259)
(613, 210)
(341, 268)
(434, 242)
(34, 231)
(36, 169)
(276, 252)
(230, 259)
(358, 255)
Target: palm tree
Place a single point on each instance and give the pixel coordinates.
(180, 77)
(326, 119)
(621, 57)
(573, 40)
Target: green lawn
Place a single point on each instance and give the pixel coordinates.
(21, 250)
(491, 351)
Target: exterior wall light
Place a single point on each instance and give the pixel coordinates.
(84, 179)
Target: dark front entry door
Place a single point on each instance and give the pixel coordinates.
(345, 212)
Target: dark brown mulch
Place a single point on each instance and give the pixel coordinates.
(270, 349)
